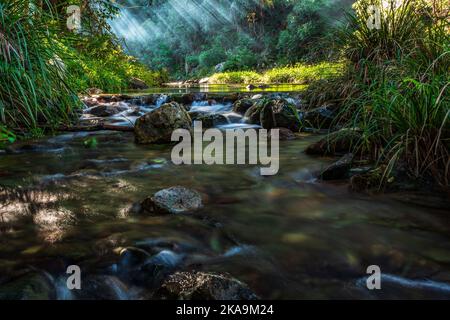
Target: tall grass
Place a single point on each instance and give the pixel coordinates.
(396, 86)
(33, 82)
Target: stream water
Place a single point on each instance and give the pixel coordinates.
(286, 236)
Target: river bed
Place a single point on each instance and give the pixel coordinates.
(286, 236)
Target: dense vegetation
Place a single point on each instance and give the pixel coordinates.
(191, 38)
(395, 88)
(43, 65)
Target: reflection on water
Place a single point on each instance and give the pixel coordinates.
(286, 236)
(220, 88)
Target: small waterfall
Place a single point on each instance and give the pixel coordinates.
(161, 100)
(205, 106)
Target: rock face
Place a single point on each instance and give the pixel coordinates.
(138, 84)
(338, 170)
(277, 113)
(203, 286)
(338, 142)
(157, 126)
(210, 120)
(172, 200)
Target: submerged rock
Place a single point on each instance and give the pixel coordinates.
(338, 142)
(157, 126)
(203, 286)
(338, 170)
(173, 200)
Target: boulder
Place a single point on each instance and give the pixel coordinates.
(242, 106)
(335, 143)
(274, 113)
(157, 126)
(203, 286)
(172, 200)
(137, 84)
(338, 170)
(251, 87)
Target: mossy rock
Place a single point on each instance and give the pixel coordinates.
(158, 125)
(274, 113)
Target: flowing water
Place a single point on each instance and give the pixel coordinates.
(286, 236)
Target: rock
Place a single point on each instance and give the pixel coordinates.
(164, 260)
(251, 87)
(132, 257)
(157, 126)
(173, 200)
(285, 134)
(185, 99)
(105, 110)
(31, 286)
(138, 84)
(279, 113)
(149, 99)
(257, 96)
(369, 181)
(211, 120)
(203, 80)
(321, 117)
(338, 170)
(203, 286)
(242, 106)
(231, 98)
(338, 142)
(253, 114)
